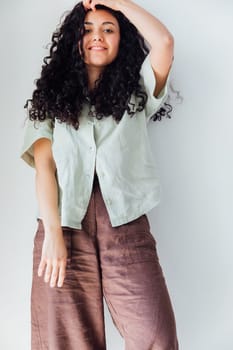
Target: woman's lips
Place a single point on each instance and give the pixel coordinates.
(97, 48)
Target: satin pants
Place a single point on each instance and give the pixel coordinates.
(119, 264)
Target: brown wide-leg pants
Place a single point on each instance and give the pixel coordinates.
(117, 263)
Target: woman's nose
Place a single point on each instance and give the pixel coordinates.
(97, 37)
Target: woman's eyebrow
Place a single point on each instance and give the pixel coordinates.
(104, 23)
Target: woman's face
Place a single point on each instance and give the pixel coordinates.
(101, 39)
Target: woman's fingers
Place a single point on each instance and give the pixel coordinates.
(53, 258)
(54, 275)
(91, 4)
(41, 267)
(48, 272)
(87, 4)
(53, 272)
(61, 276)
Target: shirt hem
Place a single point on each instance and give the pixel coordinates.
(117, 221)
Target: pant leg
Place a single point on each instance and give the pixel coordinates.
(70, 317)
(133, 283)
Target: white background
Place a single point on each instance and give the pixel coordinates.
(193, 224)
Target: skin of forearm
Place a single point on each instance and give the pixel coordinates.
(47, 195)
(155, 32)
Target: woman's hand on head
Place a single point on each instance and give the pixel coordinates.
(53, 259)
(90, 4)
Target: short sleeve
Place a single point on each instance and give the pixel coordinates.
(148, 80)
(33, 131)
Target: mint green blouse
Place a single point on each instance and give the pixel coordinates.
(120, 153)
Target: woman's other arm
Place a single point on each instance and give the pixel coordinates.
(54, 252)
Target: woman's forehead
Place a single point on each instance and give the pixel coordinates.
(100, 17)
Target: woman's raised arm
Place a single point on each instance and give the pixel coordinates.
(155, 33)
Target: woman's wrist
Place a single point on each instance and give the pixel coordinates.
(52, 229)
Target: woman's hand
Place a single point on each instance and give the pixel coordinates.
(53, 259)
(90, 4)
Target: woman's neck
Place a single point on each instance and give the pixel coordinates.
(93, 75)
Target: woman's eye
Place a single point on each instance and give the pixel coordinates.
(108, 30)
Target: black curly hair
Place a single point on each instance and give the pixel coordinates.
(62, 88)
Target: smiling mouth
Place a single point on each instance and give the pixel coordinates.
(97, 48)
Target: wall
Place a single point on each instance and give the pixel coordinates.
(193, 224)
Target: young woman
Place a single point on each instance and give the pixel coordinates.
(86, 136)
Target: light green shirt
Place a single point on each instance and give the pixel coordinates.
(120, 154)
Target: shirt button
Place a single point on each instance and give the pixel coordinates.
(109, 201)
